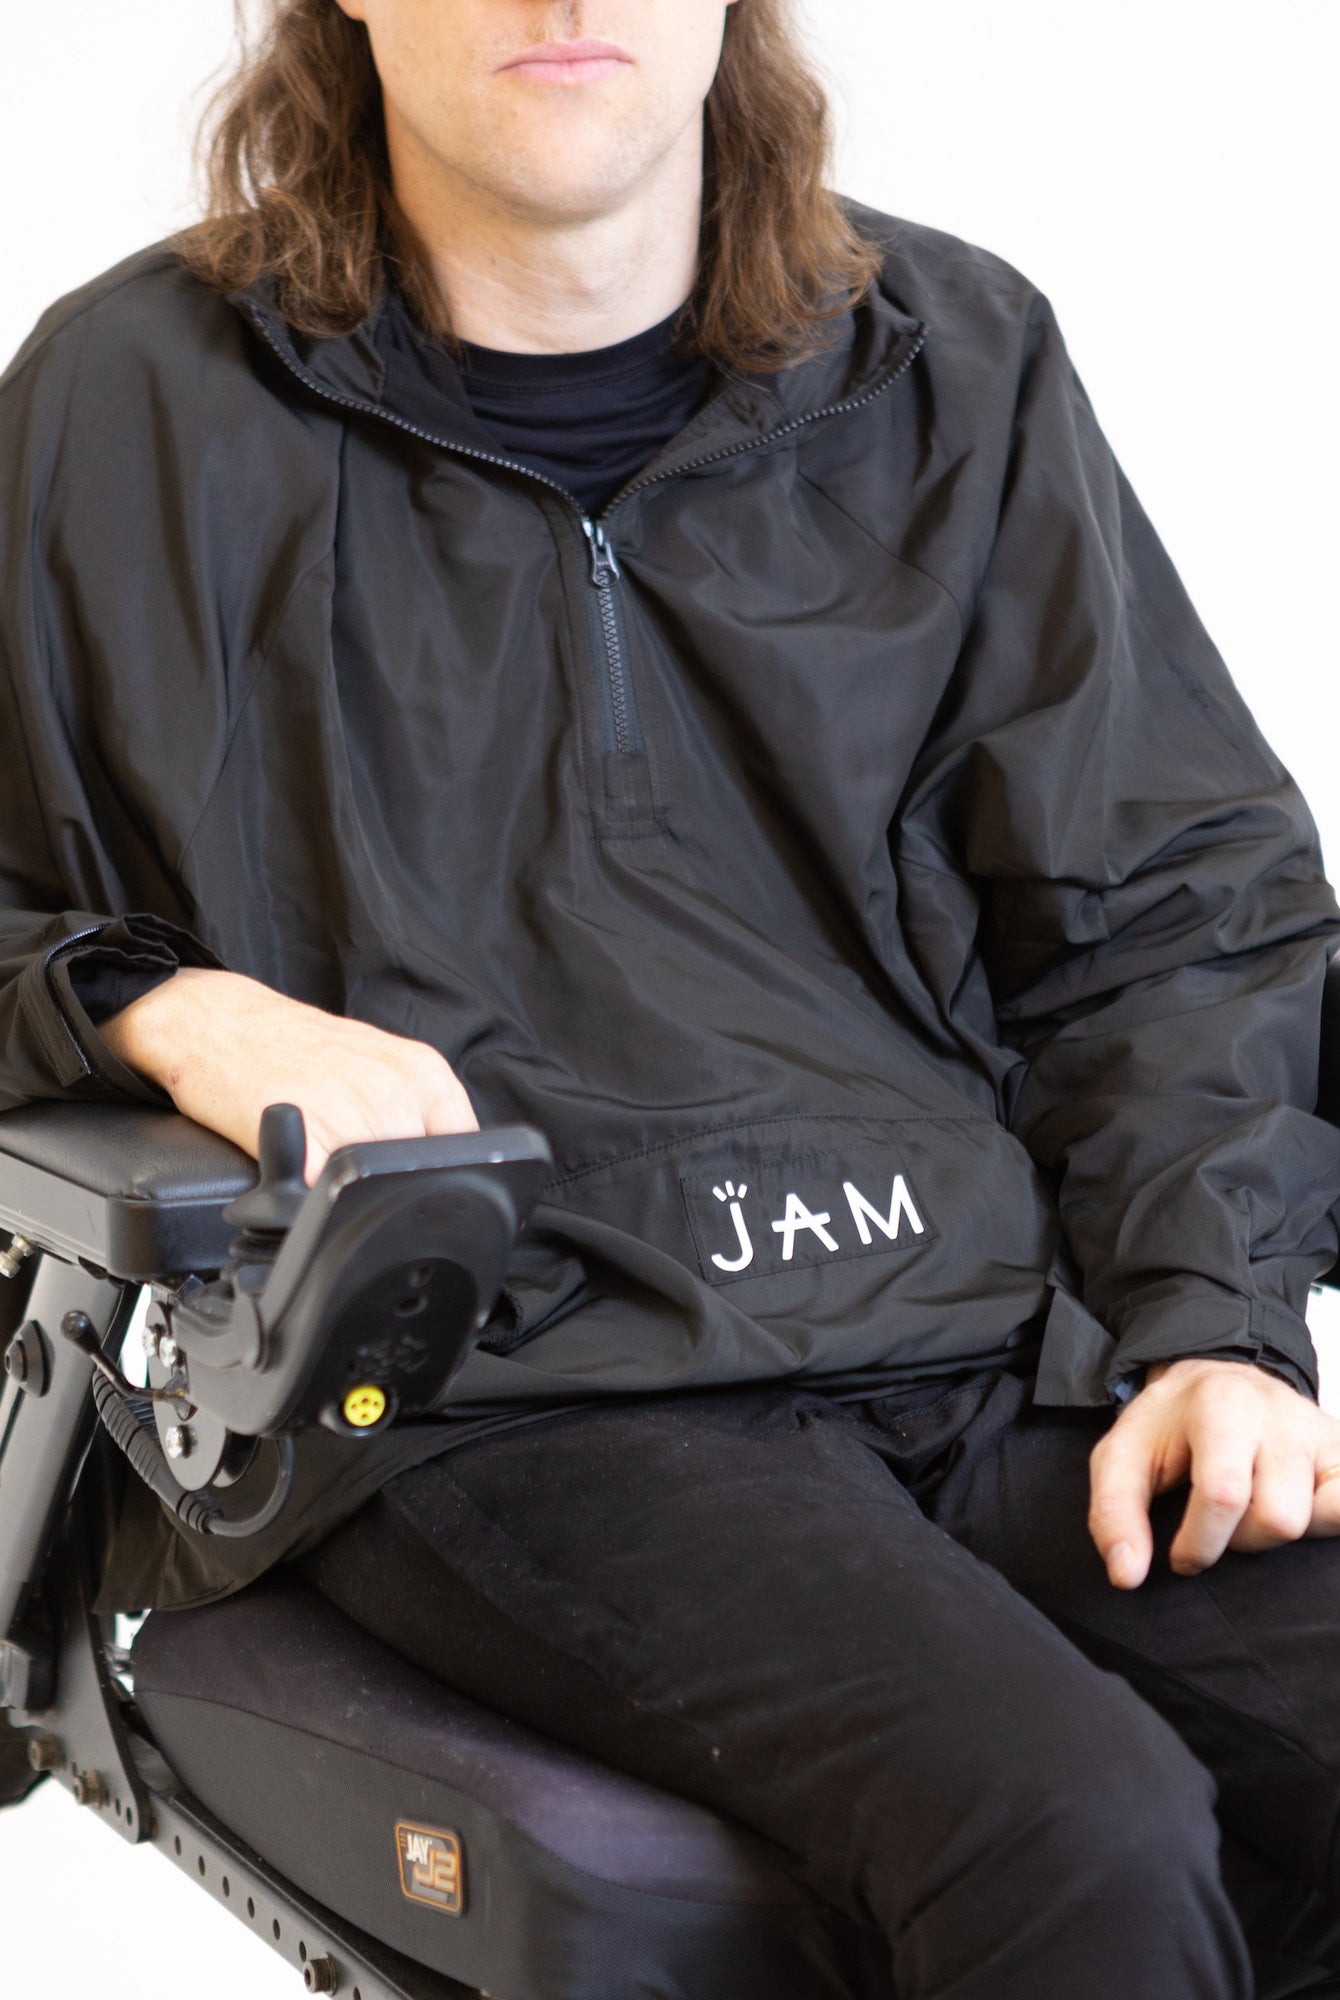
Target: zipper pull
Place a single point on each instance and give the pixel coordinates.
(604, 562)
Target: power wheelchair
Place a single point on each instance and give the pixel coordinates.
(391, 1839)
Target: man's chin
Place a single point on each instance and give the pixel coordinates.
(551, 191)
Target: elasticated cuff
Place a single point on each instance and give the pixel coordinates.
(1086, 1363)
(1195, 1318)
(118, 963)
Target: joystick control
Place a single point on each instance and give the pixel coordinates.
(264, 1214)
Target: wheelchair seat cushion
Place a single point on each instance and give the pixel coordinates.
(467, 1842)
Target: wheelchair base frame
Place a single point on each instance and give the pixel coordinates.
(341, 1959)
(57, 1672)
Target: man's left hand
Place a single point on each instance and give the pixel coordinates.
(1252, 1447)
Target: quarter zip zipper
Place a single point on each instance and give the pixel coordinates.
(604, 571)
(917, 340)
(603, 564)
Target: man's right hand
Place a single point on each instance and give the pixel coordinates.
(223, 1047)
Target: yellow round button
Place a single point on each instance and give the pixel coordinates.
(365, 1406)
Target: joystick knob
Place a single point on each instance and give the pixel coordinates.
(269, 1208)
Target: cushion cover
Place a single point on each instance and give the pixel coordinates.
(328, 1753)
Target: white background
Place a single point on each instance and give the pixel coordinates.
(1164, 169)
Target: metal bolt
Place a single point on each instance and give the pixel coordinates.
(45, 1753)
(149, 1337)
(13, 1259)
(168, 1352)
(321, 1975)
(179, 1441)
(89, 1789)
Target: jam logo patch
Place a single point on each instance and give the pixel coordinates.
(431, 1868)
(763, 1219)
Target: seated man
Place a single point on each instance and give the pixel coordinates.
(536, 611)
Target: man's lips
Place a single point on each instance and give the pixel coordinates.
(568, 62)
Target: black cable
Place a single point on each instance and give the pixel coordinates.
(139, 1442)
(129, 1422)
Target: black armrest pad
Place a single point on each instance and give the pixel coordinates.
(139, 1193)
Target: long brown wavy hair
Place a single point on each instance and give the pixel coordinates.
(299, 189)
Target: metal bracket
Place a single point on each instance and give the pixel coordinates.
(27, 1670)
(81, 1737)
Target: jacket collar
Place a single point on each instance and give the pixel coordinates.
(868, 346)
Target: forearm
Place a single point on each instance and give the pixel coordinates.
(223, 1047)
(176, 1023)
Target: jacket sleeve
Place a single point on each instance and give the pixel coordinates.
(1154, 922)
(70, 930)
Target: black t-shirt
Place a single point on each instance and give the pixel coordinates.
(589, 421)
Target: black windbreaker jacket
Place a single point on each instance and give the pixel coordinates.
(851, 852)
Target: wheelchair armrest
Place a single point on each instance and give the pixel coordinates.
(133, 1192)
